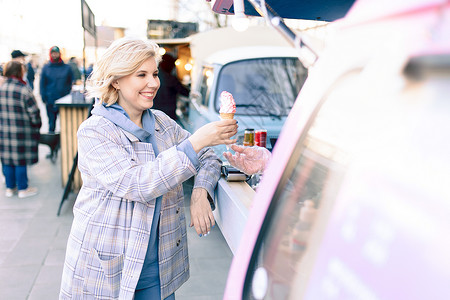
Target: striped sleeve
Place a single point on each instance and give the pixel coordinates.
(104, 155)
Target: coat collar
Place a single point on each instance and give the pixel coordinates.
(116, 114)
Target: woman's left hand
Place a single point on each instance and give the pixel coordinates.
(202, 217)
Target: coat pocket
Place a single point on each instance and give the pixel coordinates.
(103, 275)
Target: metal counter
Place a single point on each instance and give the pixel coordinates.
(233, 201)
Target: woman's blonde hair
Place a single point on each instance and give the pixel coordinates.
(123, 57)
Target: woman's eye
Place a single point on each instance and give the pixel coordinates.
(141, 75)
(155, 75)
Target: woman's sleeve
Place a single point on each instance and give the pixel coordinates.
(104, 158)
(209, 164)
(32, 109)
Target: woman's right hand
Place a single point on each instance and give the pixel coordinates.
(214, 133)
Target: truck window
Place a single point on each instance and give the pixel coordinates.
(262, 86)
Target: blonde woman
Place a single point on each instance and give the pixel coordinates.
(128, 238)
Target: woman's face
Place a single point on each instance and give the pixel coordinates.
(137, 90)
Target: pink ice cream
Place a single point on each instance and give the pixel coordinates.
(227, 104)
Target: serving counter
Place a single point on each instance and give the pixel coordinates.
(233, 201)
(73, 110)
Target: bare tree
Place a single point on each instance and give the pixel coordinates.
(201, 12)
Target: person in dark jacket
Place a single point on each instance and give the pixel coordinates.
(166, 99)
(56, 82)
(87, 72)
(31, 73)
(19, 56)
(2, 79)
(73, 63)
(20, 122)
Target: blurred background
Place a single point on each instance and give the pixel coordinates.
(35, 26)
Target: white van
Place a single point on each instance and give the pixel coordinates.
(264, 81)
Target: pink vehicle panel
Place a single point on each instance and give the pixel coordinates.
(365, 150)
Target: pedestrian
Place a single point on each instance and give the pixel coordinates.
(73, 63)
(88, 71)
(56, 82)
(2, 78)
(128, 237)
(17, 55)
(31, 74)
(20, 122)
(171, 87)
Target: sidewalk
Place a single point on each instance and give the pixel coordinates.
(33, 242)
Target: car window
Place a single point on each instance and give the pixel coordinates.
(298, 213)
(206, 83)
(263, 86)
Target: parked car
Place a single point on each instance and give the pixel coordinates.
(264, 82)
(355, 201)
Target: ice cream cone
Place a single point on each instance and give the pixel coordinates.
(226, 116)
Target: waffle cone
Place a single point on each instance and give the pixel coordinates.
(226, 116)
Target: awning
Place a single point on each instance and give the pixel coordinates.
(323, 10)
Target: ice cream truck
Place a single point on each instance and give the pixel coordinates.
(354, 203)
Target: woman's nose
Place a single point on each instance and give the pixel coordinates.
(153, 82)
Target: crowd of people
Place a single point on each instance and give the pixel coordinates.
(20, 116)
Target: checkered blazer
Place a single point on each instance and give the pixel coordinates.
(114, 209)
(20, 121)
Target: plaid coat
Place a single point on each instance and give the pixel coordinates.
(20, 121)
(114, 209)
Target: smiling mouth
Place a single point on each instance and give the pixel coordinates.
(148, 95)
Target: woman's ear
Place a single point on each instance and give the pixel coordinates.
(115, 84)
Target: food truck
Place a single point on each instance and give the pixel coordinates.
(354, 203)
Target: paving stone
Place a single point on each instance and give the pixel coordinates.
(55, 257)
(16, 282)
(30, 251)
(44, 291)
(49, 275)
